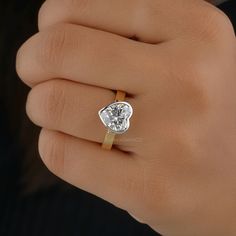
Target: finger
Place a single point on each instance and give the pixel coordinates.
(107, 174)
(72, 108)
(145, 20)
(87, 56)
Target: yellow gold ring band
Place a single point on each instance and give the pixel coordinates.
(110, 136)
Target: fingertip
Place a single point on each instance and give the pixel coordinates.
(23, 63)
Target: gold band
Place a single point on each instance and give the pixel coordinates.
(110, 137)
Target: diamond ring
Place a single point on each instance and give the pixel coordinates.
(116, 118)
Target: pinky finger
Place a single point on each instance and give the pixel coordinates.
(111, 175)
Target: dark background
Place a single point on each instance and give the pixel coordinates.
(33, 202)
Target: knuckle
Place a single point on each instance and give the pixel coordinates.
(149, 7)
(54, 43)
(214, 24)
(46, 103)
(148, 10)
(43, 16)
(197, 97)
(63, 11)
(74, 4)
(52, 151)
(30, 105)
(189, 86)
(54, 102)
(24, 62)
(77, 4)
(20, 68)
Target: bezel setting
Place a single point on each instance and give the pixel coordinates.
(116, 116)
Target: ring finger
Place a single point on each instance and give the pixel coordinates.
(72, 108)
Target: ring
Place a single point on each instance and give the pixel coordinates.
(116, 118)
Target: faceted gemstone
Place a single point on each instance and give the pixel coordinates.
(116, 116)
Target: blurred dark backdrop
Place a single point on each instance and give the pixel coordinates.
(33, 202)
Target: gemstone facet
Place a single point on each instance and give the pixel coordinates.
(116, 116)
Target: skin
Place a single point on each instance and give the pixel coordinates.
(175, 168)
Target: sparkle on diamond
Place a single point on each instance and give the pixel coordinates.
(116, 116)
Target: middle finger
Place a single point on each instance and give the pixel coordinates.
(88, 56)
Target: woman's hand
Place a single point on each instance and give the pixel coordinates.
(175, 169)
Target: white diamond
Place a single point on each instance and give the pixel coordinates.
(116, 116)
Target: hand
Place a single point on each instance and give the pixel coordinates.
(175, 167)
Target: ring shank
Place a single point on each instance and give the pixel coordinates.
(110, 136)
(120, 96)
